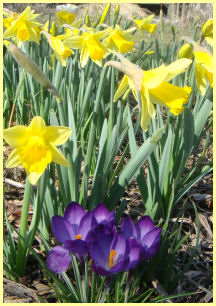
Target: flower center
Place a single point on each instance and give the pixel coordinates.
(94, 48)
(35, 155)
(122, 44)
(78, 236)
(23, 31)
(112, 258)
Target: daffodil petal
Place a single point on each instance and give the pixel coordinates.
(74, 42)
(153, 78)
(33, 177)
(150, 106)
(37, 124)
(177, 67)
(145, 117)
(13, 160)
(84, 56)
(16, 136)
(58, 157)
(122, 88)
(57, 135)
(171, 96)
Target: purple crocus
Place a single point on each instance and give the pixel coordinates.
(145, 233)
(71, 231)
(111, 252)
(104, 216)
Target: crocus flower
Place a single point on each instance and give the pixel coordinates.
(89, 45)
(153, 86)
(35, 146)
(71, 231)
(24, 27)
(144, 24)
(145, 233)
(207, 31)
(111, 252)
(119, 40)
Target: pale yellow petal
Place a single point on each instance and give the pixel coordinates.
(33, 177)
(57, 135)
(13, 160)
(150, 106)
(37, 125)
(74, 42)
(58, 157)
(177, 67)
(145, 117)
(122, 88)
(153, 78)
(84, 56)
(16, 136)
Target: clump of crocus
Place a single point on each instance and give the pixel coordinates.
(95, 233)
(35, 146)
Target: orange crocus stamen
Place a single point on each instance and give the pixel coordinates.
(112, 258)
(78, 236)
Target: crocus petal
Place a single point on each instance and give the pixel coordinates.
(119, 245)
(13, 159)
(74, 213)
(122, 88)
(128, 228)
(86, 224)
(99, 270)
(58, 157)
(78, 247)
(143, 226)
(99, 255)
(62, 229)
(151, 243)
(133, 249)
(57, 135)
(101, 213)
(58, 259)
(171, 96)
(122, 265)
(16, 136)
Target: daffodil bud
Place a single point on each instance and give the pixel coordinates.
(186, 51)
(31, 67)
(207, 28)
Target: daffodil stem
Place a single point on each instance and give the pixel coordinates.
(21, 248)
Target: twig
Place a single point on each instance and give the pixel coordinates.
(160, 290)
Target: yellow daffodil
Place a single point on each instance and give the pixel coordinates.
(153, 87)
(65, 17)
(89, 45)
(144, 24)
(203, 70)
(61, 52)
(9, 17)
(35, 147)
(24, 27)
(207, 31)
(119, 40)
(203, 64)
